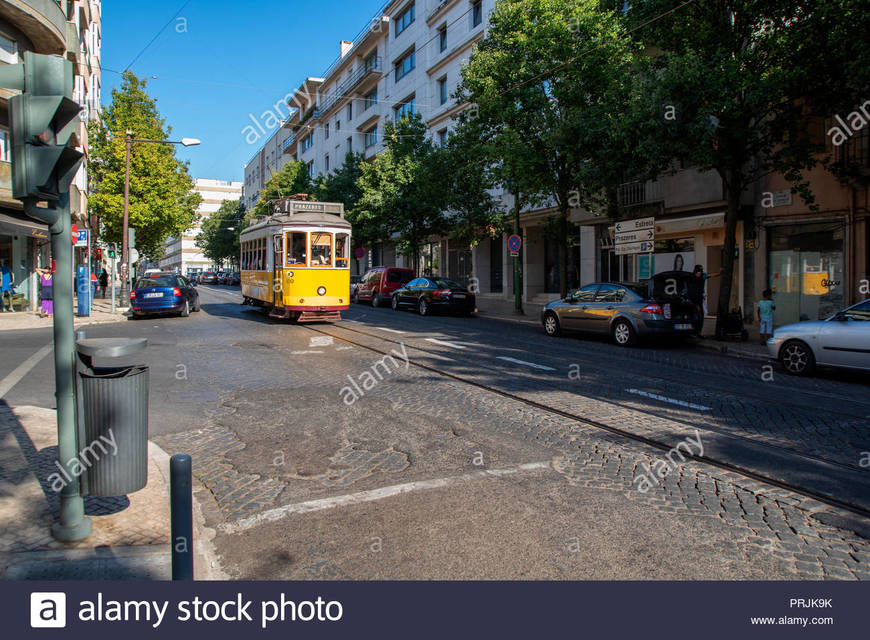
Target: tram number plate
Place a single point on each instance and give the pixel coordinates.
(154, 295)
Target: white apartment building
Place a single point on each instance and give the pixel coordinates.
(182, 253)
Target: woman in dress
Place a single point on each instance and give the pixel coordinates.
(45, 283)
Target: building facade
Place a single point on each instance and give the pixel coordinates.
(182, 254)
(70, 28)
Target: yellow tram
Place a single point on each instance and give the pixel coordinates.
(296, 262)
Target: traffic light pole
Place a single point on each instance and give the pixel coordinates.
(73, 525)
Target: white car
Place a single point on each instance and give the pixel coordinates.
(843, 340)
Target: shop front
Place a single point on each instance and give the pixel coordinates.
(806, 270)
(21, 241)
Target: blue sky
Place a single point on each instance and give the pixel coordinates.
(220, 61)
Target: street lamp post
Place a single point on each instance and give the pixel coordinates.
(125, 239)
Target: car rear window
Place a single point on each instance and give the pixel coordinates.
(156, 281)
(443, 283)
(394, 275)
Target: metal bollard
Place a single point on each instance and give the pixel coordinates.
(181, 507)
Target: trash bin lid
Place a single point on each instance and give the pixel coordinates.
(110, 347)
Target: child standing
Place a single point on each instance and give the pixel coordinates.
(765, 315)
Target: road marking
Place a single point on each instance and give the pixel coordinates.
(390, 330)
(23, 369)
(681, 403)
(320, 341)
(302, 353)
(526, 364)
(445, 344)
(375, 494)
(343, 348)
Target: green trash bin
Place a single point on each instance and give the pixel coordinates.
(113, 414)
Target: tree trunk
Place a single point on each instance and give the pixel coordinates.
(563, 247)
(735, 191)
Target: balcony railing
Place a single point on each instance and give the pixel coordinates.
(370, 67)
(288, 143)
(632, 193)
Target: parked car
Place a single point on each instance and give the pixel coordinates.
(626, 311)
(354, 281)
(163, 293)
(378, 284)
(430, 294)
(843, 340)
(222, 277)
(234, 279)
(208, 277)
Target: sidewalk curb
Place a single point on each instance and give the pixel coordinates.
(723, 349)
(205, 562)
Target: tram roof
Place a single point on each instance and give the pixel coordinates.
(303, 212)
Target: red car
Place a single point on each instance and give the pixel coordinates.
(378, 284)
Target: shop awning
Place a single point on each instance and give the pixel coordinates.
(21, 225)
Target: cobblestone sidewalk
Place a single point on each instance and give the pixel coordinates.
(130, 538)
(101, 312)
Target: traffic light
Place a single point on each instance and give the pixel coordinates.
(111, 252)
(41, 122)
(98, 254)
(131, 238)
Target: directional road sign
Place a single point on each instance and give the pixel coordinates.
(634, 236)
(633, 247)
(640, 224)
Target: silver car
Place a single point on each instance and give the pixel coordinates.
(843, 340)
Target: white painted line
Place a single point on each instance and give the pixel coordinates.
(343, 348)
(526, 364)
(23, 369)
(375, 494)
(681, 403)
(445, 344)
(390, 330)
(302, 353)
(320, 341)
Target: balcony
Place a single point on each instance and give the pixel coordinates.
(635, 193)
(372, 68)
(43, 21)
(289, 142)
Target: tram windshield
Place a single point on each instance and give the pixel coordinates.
(296, 248)
(321, 249)
(342, 249)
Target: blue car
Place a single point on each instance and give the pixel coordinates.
(163, 293)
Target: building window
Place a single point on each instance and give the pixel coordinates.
(349, 111)
(405, 65)
(350, 144)
(8, 50)
(326, 131)
(442, 38)
(476, 13)
(442, 90)
(371, 137)
(370, 99)
(405, 19)
(337, 126)
(326, 163)
(4, 146)
(442, 137)
(371, 61)
(406, 109)
(311, 167)
(307, 143)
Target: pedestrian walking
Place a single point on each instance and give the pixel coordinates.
(7, 279)
(765, 315)
(104, 282)
(46, 280)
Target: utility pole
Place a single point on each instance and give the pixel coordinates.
(518, 266)
(125, 246)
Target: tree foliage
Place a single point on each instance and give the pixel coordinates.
(342, 185)
(292, 178)
(162, 202)
(219, 234)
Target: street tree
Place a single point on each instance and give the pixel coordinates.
(544, 75)
(342, 185)
(291, 179)
(162, 202)
(219, 234)
(401, 194)
(737, 87)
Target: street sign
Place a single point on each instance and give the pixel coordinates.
(633, 247)
(134, 256)
(360, 253)
(634, 236)
(82, 238)
(74, 232)
(515, 243)
(641, 224)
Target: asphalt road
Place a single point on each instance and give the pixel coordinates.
(468, 452)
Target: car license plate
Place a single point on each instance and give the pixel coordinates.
(667, 311)
(682, 327)
(154, 295)
(459, 295)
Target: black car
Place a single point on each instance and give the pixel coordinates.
(233, 279)
(208, 277)
(163, 293)
(434, 294)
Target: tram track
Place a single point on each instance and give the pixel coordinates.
(849, 505)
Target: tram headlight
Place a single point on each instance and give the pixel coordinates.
(289, 274)
(321, 291)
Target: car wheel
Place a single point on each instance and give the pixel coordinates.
(423, 307)
(551, 325)
(185, 310)
(376, 300)
(394, 302)
(797, 358)
(624, 334)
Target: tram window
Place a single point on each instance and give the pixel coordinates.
(296, 248)
(321, 249)
(342, 246)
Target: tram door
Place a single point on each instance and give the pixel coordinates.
(278, 272)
